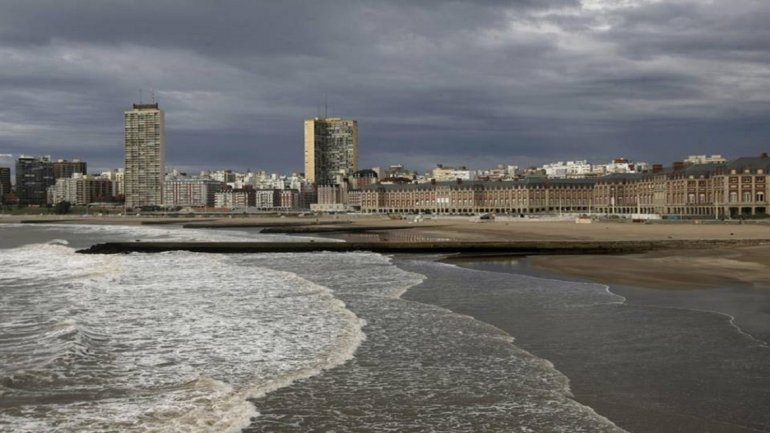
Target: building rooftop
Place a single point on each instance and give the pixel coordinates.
(532, 180)
(153, 106)
(752, 163)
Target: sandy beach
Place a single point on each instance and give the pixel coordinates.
(674, 269)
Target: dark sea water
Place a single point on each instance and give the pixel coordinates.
(422, 368)
(356, 342)
(659, 361)
(186, 342)
(172, 342)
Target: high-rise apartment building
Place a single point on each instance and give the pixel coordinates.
(145, 146)
(5, 182)
(65, 169)
(331, 149)
(34, 174)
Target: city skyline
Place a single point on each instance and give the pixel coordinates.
(454, 83)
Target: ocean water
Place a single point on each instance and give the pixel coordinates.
(651, 360)
(187, 342)
(167, 342)
(424, 368)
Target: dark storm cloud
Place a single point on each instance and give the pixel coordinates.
(690, 30)
(458, 82)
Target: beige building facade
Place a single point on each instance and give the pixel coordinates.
(331, 149)
(145, 149)
(713, 190)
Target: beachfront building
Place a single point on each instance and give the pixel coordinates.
(289, 199)
(631, 193)
(81, 190)
(740, 187)
(192, 192)
(331, 149)
(711, 190)
(234, 199)
(34, 174)
(267, 199)
(145, 148)
(5, 182)
(526, 196)
(331, 198)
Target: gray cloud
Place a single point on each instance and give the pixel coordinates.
(456, 82)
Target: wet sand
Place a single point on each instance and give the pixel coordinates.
(661, 361)
(671, 269)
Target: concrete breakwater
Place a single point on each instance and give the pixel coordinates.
(447, 247)
(332, 229)
(258, 224)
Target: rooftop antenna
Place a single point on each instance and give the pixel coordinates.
(326, 107)
(140, 96)
(153, 96)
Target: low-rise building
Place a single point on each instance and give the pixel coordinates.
(234, 199)
(712, 190)
(447, 174)
(289, 199)
(81, 190)
(190, 192)
(267, 199)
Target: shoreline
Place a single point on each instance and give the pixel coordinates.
(589, 386)
(748, 319)
(551, 248)
(685, 256)
(498, 312)
(669, 269)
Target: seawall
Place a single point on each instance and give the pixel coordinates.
(449, 247)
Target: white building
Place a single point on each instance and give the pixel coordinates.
(567, 169)
(620, 165)
(444, 174)
(234, 199)
(81, 190)
(704, 159)
(117, 177)
(266, 198)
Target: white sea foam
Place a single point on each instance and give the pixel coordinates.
(167, 342)
(169, 232)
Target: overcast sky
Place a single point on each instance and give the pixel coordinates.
(459, 83)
